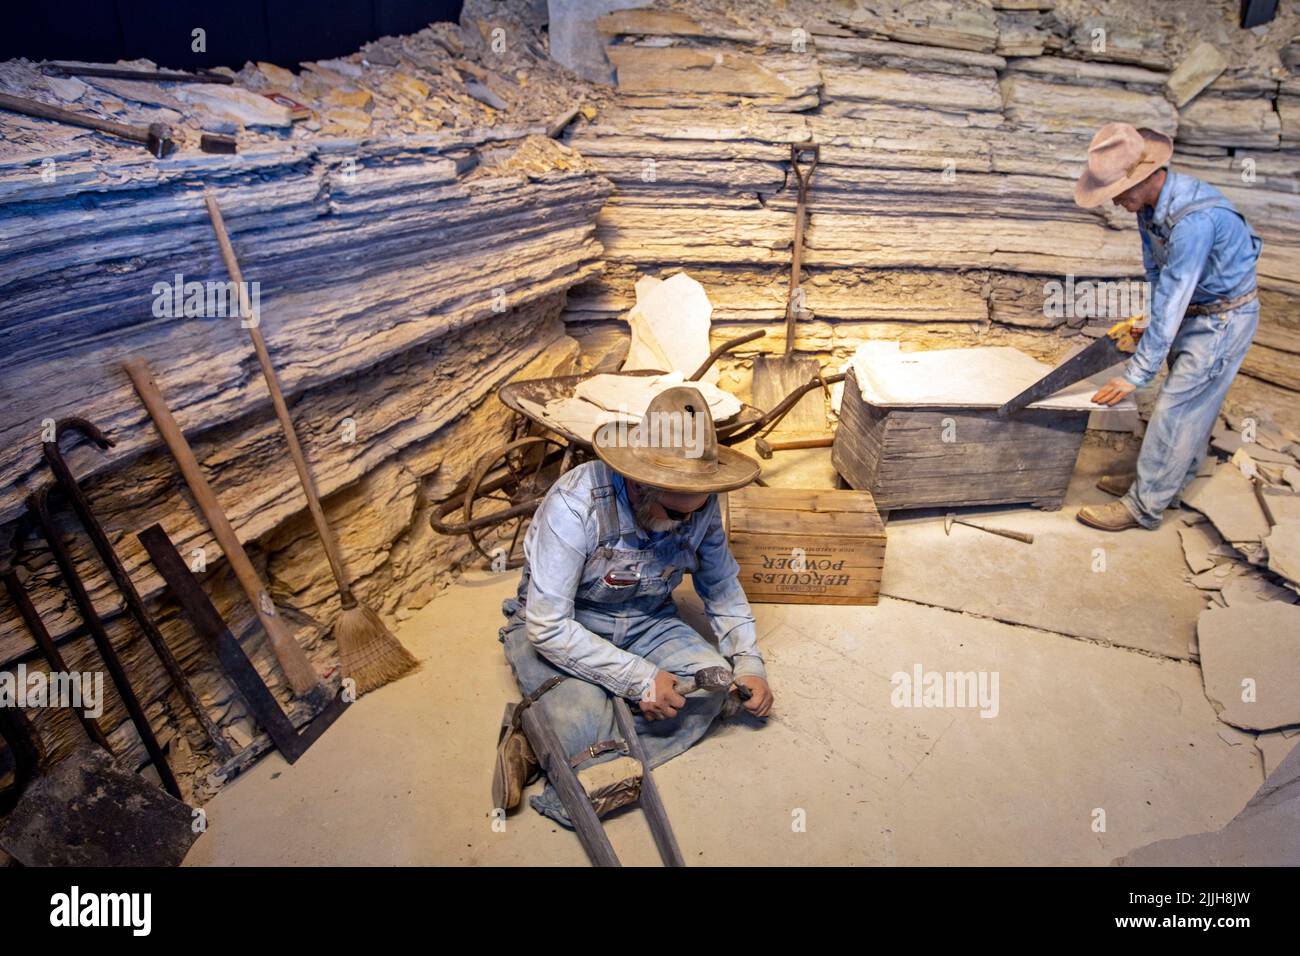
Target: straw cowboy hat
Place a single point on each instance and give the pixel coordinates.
(675, 447)
(1120, 156)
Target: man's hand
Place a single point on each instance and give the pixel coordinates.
(1114, 392)
(760, 704)
(662, 701)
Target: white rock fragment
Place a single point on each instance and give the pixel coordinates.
(670, 326)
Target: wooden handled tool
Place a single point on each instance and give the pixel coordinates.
(157, 138)
(371, 656)
(951, 519)
(765, 447)
(293, 660)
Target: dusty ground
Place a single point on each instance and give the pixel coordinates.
(1101, 719)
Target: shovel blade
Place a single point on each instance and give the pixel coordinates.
(775, 377)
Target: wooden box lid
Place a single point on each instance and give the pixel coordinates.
(815, 511)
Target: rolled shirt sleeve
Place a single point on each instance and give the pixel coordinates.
(1189, 250)
(717, 582)
(557, 553)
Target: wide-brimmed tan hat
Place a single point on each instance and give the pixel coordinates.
(1120, 156)
(674, 447)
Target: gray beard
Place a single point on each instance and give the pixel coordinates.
(644, 512)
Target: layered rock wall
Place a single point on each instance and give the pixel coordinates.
(950, 131)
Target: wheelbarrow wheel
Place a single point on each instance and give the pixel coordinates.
(517, 475)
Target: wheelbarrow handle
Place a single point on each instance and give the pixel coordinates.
(726, 346)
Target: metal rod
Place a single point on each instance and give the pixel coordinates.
(112, 663)
(134, 603)
(27, 611)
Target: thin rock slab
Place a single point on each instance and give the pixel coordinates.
(1252, 651)
(1283, 544)
(670, 326)
(1252, 588)
(1228, 499)
(1265, 833)
(1198, 540)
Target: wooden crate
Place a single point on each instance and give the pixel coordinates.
(948, 457)
(807, 546)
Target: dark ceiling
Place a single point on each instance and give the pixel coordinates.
(286, 32)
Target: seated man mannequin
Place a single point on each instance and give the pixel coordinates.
(594, 613)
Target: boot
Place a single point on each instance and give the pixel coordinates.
(1117, 485)
(1109, 517)
(516, 764)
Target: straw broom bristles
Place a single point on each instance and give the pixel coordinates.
(370, 655)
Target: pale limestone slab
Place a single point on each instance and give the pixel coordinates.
(1251, 588)
(1252, 651)
(670, 326)
(981, 377)
(1283, 544)
(1228, 499)
(1274, 748)
(1197, 541)
(632, 394)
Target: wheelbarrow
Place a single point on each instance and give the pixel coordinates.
(517, 475)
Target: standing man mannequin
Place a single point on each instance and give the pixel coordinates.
(1199, 254)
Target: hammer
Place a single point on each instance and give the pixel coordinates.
(765, 447)
(951, 519)
(157, 138)
(712, 679)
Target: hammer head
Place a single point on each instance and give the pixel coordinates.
(712, 679)
(947, 522)
(160, 141)
(763, 448)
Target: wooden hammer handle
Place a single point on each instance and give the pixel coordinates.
(18, 104)
(1007, 533)
(293, 660)
(281, 409)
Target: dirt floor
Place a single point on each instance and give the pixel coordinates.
(1102, 740)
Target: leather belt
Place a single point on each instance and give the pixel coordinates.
(532, 698)
(1222, 305)
(595, 750)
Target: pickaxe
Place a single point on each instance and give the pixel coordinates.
(951, 519)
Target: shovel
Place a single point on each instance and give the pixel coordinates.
(775, 377)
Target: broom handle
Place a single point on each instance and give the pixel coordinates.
(281, 409)
(292, 659)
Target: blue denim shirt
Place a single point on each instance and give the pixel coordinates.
(583, 548)
(1201, 256)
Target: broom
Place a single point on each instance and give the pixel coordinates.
(369, 652)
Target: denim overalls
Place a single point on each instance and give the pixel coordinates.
(1205, 351)
(624, 595)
